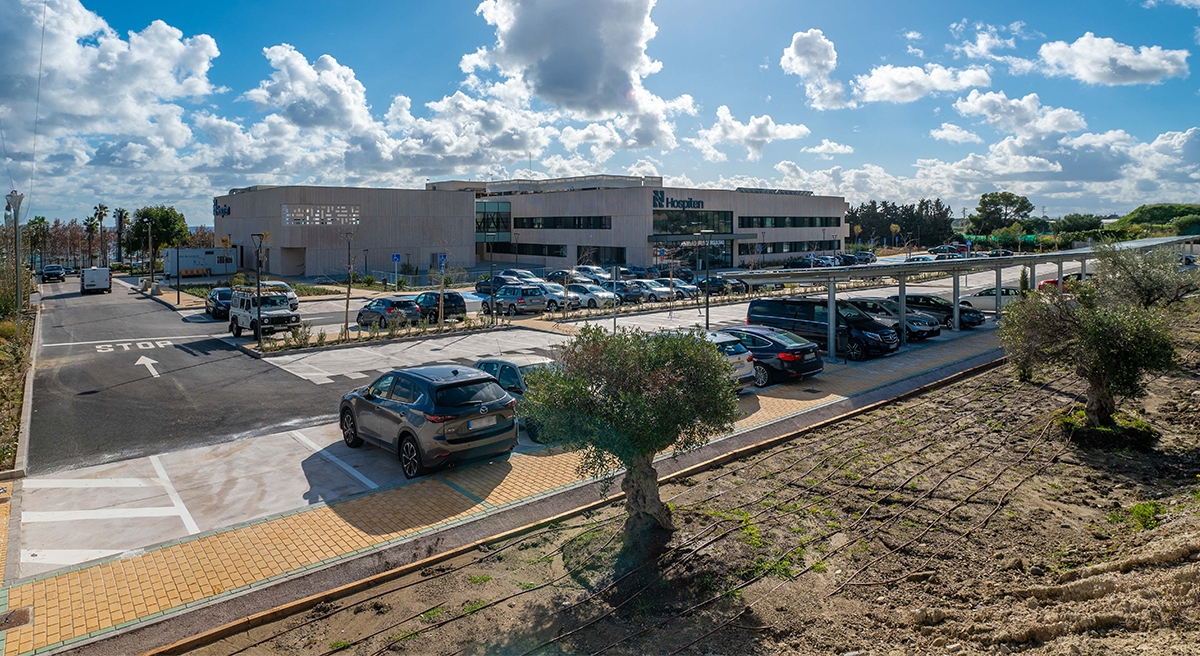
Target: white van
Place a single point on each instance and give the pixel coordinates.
(95, 279)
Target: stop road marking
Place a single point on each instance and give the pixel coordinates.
(129, 346)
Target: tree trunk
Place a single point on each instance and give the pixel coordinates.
(1100, 405)
(649, 525)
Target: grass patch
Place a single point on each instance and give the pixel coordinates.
(1145, 514)
(1127, 432)
(526, 586)
(479, 579)
(472, 606)
(432, 614)
(340, 645)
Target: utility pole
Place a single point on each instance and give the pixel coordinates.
(705, 234)
(490, 236)
(14, 205)
(349, 275)
(258, 240)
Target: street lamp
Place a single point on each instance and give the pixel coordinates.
(489, 237)
(704, 235)
(14, 205)
(366, 266)
(517, 248)
(258, 241)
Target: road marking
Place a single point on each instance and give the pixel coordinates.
(186, 516)
(56, 483)
(128, 346)
(65, 556)
(100, 513)
(148, 363)
(131, 340)
(301, 438)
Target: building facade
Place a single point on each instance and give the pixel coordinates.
(556, 223)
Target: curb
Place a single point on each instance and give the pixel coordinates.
(22, 457)
(256, 354)
(250, 609)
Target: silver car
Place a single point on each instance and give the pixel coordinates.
(592, 295)
(682, 289)
(557, 297)
(515, 299)
(736, 354)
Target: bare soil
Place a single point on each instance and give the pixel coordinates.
(961, 521)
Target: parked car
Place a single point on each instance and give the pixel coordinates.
(799, 263)
(919, 325)
(567, 277)
(1070, 277)
(383, 311)
(95, 279)
(918, 258)
(1187, 262)
(516, 299)
(714, 286)
(736, 354)
(828, 261)
(454, 305)
(640, 272)
(655, 290)
(557, 297)
(1000, 252)
(625, 292)
(216, 304)
(948, 256)
(431, 416)
(279, 285)
(858, 335)
(488, 285)
(683, 273)
(944, 248)
(738, 286)
(778, 354)
(865, 257)
(682, 289)
(524, 275)
(592, 295)
(244, 312)
(53, 273)
(510, 371)
(942, 309)
(847, 259)
(595, 273)
(985, 299)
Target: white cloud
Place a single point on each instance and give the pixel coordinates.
(1023, 117)
(904, 84)
(912, 35)
(1188, 4)
(987, 41)
(916, 52)
(956, 29)
(324, 94)
(755, 134)
(813, 58)
(1096, 60)
(586, 58)
(954, 134)
(828, 149)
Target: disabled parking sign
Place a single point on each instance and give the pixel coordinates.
(395, 258)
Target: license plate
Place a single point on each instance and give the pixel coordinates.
(810, 356)
(476, 424)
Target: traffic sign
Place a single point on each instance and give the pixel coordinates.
(442, 259)
(395, 257)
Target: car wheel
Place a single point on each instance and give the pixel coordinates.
(350, 431)
(485, 308)
(948, 321)
(235, 328)
(762, 375)
(410, 458)
(552, 306)
(512, 309)
(653, 298)
(591, 304)
(855, 350)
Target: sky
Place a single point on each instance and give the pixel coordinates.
(1081, 106)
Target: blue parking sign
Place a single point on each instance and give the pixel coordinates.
(396, 258)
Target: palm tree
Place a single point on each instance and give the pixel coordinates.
(90, 226)
(101, 211)
(120, 215)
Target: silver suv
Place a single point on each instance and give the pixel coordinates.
(515, 299)
(277, 314)
(432, 416)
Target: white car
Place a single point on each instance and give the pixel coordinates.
(592, 295)
(556, 297)
(279, 285)
(655, 290)
(682, 289)
(736, 354)
(985, 299)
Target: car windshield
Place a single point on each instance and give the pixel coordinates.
(224, 295)
(529, 368)
(732, 347)
(791, 339)
(554, 287)
(593, 288)
(852, 314)
(469, 394)
(274, 301)
(936, 300)
(890, 306)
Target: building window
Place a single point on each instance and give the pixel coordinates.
(600, 255)
(539, 250)
(493, 217)
(563, 223)
(771, 248)
(789, 221)
(316, 215)
(689, 222)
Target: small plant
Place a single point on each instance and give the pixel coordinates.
(374, 330)
(526, 586)
(479, 579)
(340, 645)
(820, 567)
(472, 606)
(369, 281)
(393, 328)
(432, 614)
(321, 337)
(1145, 514)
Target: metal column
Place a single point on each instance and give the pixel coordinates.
(1060, 275)
(832, 320)
(903, 327)
(1082, 269)
(1033, 276)
(999, 287)
(954, 300)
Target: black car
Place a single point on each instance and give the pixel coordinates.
(493, 284)
(454, 304)
(847, 259)
(799, 263)
(53, 272)
(566, 277)
(383, 311)
(865, 257)
(216, 304)
(683, 273)
(778, 354)
(858, 335)
(942, 309)
(714, 286)
(1000, 252)
(626, 293)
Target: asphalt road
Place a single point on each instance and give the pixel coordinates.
(93, 403)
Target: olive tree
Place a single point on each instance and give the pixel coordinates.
(1110, 345)
(622, 398)
(1145, 279)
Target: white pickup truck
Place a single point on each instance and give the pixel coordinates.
(95, 279)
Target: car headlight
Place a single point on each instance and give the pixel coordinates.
(873, 336)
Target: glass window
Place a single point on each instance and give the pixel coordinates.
(404, 391)
(820, 314)
(790, 339)
(509, 378)
(468, 394)
(382, 386)
(687, 222)
(731, 348)
(491, 368)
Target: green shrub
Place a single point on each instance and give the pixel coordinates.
(369, 281)
(8, 331)
(1145, 514)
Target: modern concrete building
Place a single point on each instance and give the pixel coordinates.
(599, 219)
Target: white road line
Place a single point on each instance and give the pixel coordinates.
(186, 516)
(132, 339)
(100, 513)
(51, 483)
(65, 556)
(301, 438)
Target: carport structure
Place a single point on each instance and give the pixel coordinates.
(956, 267)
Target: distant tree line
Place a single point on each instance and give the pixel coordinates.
(89, 242)
(925, 222)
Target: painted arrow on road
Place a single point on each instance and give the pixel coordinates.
(149, 365)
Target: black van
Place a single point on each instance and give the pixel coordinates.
(858, 334)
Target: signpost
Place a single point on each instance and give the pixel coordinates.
(395, 271)
(441, 291)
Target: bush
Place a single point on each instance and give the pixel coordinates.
(8, 331)
(1187, 225)
(369, 281)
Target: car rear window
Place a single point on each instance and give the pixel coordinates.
(732, 347)
(484, 391)
(791, 339)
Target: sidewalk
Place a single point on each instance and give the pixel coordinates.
(99, 598)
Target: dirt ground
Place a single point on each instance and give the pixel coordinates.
(957, 522)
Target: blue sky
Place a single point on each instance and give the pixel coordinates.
(1081, 106)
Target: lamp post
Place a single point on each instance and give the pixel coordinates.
(349, 281)
(366, 262)
(517, 249)
(704, 234)
(178, 276)
(258, 240)
(489, 237)
(14, 205)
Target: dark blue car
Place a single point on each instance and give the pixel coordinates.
(778, 354)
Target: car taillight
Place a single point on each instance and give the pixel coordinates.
(438, 419)
(747, 321)
(788, 356)
(512, 403)
(520, 301)
(749, 358)
(391, 310)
